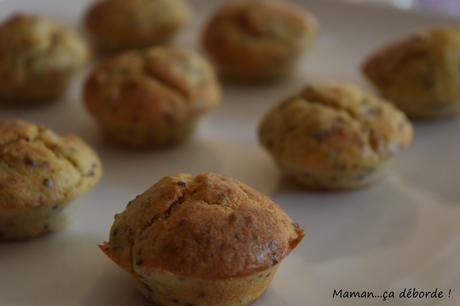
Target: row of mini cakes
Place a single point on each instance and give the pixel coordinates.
(187, 240)
(247, 40)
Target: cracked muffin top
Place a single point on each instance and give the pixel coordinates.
(258, 37)
(154, 86)
(119, 24)
(420, 72)
(331, 126)
(205, 226)
(39, 168)
(34, 49)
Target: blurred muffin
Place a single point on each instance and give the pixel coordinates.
(334, 136)
(40, 173)
(258, 40)
(118, 25)
(151, 98)
(420, 73)
(201, 240)
(38, 59)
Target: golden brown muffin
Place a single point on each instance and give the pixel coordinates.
(259, 40)
(118, 25)
(204, 240)
(38, 59)
(152, 97)
(40, 173)
(334, 136)
(420, 73)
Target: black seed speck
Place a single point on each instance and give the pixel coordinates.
(320, 136)
(48, 183)
(90, 173)
(274, 260)
(182, 184)
(238, 236)
(30, 162)
(175, 301)
(115, 232)
(55, 207)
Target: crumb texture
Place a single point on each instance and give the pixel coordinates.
(420, 73)
(334, 131)
(206, 226)
(39, 168)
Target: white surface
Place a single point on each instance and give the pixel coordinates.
(402, 232)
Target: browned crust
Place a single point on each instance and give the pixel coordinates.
(38, 58)
(419, 73)
(206, 226)
(333, 130)
(153, 86)
(118, 25)
(154, 94)
(38, 168)
(258, 39)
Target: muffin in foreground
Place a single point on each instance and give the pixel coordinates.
(40, 173)
(201, 240)
(151, 98)
(420, 73)
(38, 59)
(119, 25)
(259, 39)
(333, 135)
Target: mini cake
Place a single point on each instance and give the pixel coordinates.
(38, 59)
(40, 173)
(204, 240)
(334, 136)
(118, 25)
(420, 73)
(151, 98)
(259, 40)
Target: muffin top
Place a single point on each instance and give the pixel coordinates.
(331, 126)
(40, 169)
(421, 67)
(271, 28)
(153, 86)
(32, 45)
(121, 24)
(205, 226)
